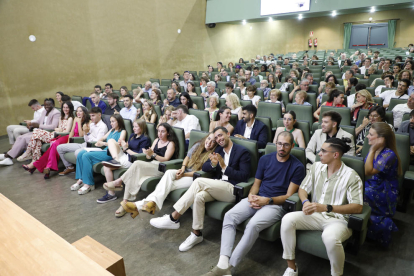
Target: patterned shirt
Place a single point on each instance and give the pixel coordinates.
(343, 187)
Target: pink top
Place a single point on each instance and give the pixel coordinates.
(76, 130)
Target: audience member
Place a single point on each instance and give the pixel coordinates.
(129, 111)
(112, 104)
(185, 121)
(400, 109)
(213, 102)
(147, 88)
(104, 94)
(59, 96)
(250, 128)
(251, 91)
(184, 82)
(211, 86)
(264, 87)
(289, 121)
(233, 102)
(275, 96)
(222, 119)
(363, 101)
(249, 78)
(388, 82)
(336, 99)
(171, 99)
(186, 100)
(95, 100)
(301, 97)
(149, 114)
(304, 86)
(241, 82)
(191, 89)
(229, 90)
(399, 93)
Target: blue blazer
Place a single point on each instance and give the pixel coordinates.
(259, 132)
(238, 169)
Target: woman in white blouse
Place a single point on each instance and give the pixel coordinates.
(251, 91)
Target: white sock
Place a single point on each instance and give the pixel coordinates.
(223, 262)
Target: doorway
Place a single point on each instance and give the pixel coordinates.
(373, 35)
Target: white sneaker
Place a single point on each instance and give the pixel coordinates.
(76, 186)
(6, 162)
(85, 190)
(192, 240)
(2, 156)
(291, 272)
(164, 222)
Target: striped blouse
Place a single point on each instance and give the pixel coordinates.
(343, 187)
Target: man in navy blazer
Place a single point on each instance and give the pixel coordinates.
(230, 164)
(249, 128)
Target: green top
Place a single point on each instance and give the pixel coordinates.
(291, 131)
(343, 187)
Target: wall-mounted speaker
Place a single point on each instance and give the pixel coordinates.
(211, 25)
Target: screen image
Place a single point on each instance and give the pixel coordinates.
(269, 7)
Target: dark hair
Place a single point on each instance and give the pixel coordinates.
(108, 84)
(71, 108)
(123, 87)
(340, 144)
(348, 61)
(407, 82)
(369, 59)
(351, 72)
(380, 110)
(86, 118)
(221, 110)
(291, 112)
(113, 96)
(189, 100)
(33, 102)
(399, 57)
(390, 60)
(353, 81)
(391, 77)
(286, 133)
(158, 92)
(65, 98)
(412, 113)
(334, 93)
(328, 77)
(178, 87)
(128, 96)
(360, 86)
(263, 66)
(98, 86)
(251, 88)
(96, 110)
(184, 108)
(60, 93)
(250, 108)
(172, 138)
(222, 128)
(50, 100)
(229, 84)
(192, 84)
(120, 120)
(335, 116)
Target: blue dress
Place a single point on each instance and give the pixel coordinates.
(381, 192)
(85, 160)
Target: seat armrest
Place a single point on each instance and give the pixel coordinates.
(242, 189)
(359, 222)
(202, 174)
(140, 157)
(293, 203)
(23, 123)
(90, 144)
(61, 134)
(77, 140)
(408, 180)
(170, 165)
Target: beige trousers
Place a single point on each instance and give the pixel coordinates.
(201, 191)
(136, 175)
(334, 232)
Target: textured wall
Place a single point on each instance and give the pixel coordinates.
(81, 43)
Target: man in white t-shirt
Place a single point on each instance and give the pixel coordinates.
(400, 93)
(400, 109)
(367, 64)
(185, 121)
(15, 131)
(388, 81)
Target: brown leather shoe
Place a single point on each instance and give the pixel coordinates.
(67, 171)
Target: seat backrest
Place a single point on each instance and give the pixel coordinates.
(406, 117)
(199, 101)
(268, 123)
(196, 135)
(107, 120)
(234, 118)
(77, 98)
(164, 89)
(272, 110)
(245, 102)
(179, 132)
(154, 80)
(345, 113)
(158, 111)
(372, 78)
(203, 118)
(259, 92)
(128, 128)
(165, 82)
(251, 146)
(121, 104)
(152, 131)
(303, 112)
(237, 92)
(355, 163)
(394, 102)
(302, 125)
(299, 153)
(221, 84)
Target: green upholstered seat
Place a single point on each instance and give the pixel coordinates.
(406, 117)
(345, 113)
(77, 98)
(389, 117)
(203, 117)
(310, 99)
(302, 125)
(394, 102)
(271, 110)
(245, 102)
(303, 112)
(199, 101)
(135, 85)
(158, 111)
(154, 80)
(260, 93)
(268, 123)
(165, 82)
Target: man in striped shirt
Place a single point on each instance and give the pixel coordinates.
(336, 192)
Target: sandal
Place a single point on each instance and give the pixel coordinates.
(26, 167)
(76, 186)
(110, 186)
(120, 212)
(85, 190)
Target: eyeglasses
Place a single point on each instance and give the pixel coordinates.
(286, 145)
(373, 116)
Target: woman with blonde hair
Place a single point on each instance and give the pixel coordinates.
(149, 114)
(294, 74)
(213, 102)
(363, 101)
(233, 102)
(166, 118)
(383, 166)
(275, 96)
(175, 179)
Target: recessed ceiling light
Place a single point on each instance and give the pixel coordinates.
(244, 22)
(370, 19)
(32, 38)
(300, 17)
(372, 9)
(334, 13)
(251, 27)
(270, 19)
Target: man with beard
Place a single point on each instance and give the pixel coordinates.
(400, 109)
(112, 104)
(129, 111)
(330, 129)
(278, 176)
(408, 127)
(249, 128)
(230, 165)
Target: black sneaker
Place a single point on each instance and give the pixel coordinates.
(106, 198)
(113, 164)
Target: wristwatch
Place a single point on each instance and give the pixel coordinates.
(329, 207)
(270, 201)
(153, 156)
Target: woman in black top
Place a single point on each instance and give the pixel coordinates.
(164, 148)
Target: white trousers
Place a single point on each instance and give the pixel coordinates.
(14, 131)
(164, 187)
(201, 191)
(334, 232)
